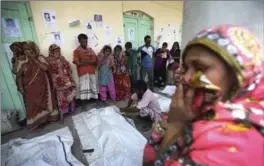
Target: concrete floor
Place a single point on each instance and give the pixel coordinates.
(25, 133)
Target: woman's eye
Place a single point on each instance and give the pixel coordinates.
(201, 68)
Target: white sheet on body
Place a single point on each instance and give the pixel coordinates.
(114, 140)
(164, 102)
(52, 149)
(169, 90)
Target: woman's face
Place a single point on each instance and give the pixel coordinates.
(175, 46)
(56, 53)
(107, 52)
(201, 59)
(163, 48)
(22, 57)
(117, 51)
(28, 52)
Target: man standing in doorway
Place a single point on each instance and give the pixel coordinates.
(147, 51)
(85, 60)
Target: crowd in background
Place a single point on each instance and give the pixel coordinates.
(48, 87)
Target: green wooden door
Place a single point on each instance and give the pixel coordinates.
(17, 26)
(131, 31)
(136, 29)
(144, 28)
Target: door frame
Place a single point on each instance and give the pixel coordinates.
(31, 21)
(148, 18)
(30, 15)
(32, 29)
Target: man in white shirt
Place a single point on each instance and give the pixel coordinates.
(147, 51)
(147, 103)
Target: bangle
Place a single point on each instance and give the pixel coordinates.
(160, 127)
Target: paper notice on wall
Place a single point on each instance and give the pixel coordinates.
(92, 40)
(161, 30)
(76, 41)
(107, 30)
(49, 18)
(119, 40)
(56, 38)
(90, 25)
(131, 34)
(11, 27)
(8, 52)
(98, 19)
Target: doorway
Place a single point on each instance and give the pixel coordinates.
(17, 25)
(136, 26)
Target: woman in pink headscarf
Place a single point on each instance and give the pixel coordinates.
(217, 112)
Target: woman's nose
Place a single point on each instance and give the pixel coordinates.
(188, 74)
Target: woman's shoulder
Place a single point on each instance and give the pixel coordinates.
(42, 58)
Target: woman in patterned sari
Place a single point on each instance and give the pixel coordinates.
(121, 76)
(217, 111)
(34, 84)
(62, 79)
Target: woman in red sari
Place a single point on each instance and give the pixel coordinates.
(35, 85)
(121, 76)
(62, 79)
(217, 111)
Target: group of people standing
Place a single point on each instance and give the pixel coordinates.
(118, 68)
(47, 83)
(113, 73)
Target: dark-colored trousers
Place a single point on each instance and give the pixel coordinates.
(133, 77)
(144, 71)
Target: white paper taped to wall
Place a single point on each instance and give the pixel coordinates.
(8, 52)
(131, 34)
(98, 19)
(107, 30)
(49, 18)
(11, 27)
(56, 38)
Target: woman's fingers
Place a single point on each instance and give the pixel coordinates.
(180, 96)
(189, 97)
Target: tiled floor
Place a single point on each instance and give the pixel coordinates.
(25, 133)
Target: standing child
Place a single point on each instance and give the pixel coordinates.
(62, 79)
(121, 76)
(85, 60)
(147, 103)
(106, 68)
(132, 65)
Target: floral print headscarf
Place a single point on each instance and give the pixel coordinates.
(239, 48)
